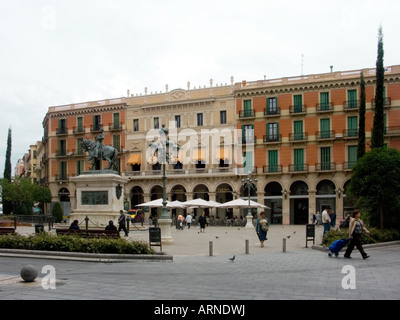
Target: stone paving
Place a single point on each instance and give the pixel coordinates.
(264, 273)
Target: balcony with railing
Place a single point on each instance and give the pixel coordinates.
(78, 130)
(325, 107)
(247, 114)
(325, 166)
(298, 168)
(272, 138)
(61, 131)
(352, 105)
(350, 134)
(272, 112)
(387, 102)
(325, 135)
(275, 169)
(298, 137)
(115, 126)
(298, 110)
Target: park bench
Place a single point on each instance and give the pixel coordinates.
(90, 233)
(5, 231)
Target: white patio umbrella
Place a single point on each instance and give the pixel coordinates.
(158, 204)
(242, 203)
(198, 203)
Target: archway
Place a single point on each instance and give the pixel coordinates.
(299, 203)
(326, 195)
(136, 195)
(273, 199)
(224, 193)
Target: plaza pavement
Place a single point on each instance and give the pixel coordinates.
(264, 273)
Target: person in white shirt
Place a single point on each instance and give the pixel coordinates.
(326, 219)
(188, 220)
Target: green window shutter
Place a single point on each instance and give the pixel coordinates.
(325, 125)
(352, 155)
(352, 98)
(80, 124)
(116, 142)
(79, 149)
(273, 160)
(247, 108)
(298, 130)
(116, 120)
(298, 103)
(298, 159)
(79, 167)
(324, 100)
(352, 126)
(325, 158)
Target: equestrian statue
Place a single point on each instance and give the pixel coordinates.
(98, 151)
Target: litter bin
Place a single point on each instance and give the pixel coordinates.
(39, 228)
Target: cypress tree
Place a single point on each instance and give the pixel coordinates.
(7, 205)
(361, 121)
(378, 128)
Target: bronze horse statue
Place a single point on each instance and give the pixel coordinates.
(107, 153)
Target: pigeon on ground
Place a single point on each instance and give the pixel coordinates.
(288, 237)
(216, 237)
(232, 259)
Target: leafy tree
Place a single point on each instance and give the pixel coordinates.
(378, 128)
(7, 205)
(361, 121)
(375, 183)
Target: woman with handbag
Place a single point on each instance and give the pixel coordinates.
(262, 226)
(356, 228)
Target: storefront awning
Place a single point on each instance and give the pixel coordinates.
(135, 158)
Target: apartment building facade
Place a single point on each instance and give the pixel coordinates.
(62, 156)
(297, 136)
(305, 133)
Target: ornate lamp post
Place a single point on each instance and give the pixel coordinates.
(163, 157)
(248, 183)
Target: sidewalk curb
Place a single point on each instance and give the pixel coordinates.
(372, 245)
(82, 256)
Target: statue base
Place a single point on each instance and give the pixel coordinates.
(99, 196)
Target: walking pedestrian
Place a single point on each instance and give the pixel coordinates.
(318, 219)
(121, 222)
(356, 228)
(333, 218)
(262, 226)
(189, 220)
(202, 221)
(326, 219)
(180, 222)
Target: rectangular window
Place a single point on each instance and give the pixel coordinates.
(352, 98)
(222, 117)
(273, 161)
(298, 159)
(116, 121)
(325, 158)
(79, 167)
(117, 142)
(352, 156)
(96, 122)
(199, 119)
(324, 101)
(352, 126)
(298, 130)
(79, 122)
(135, 124)
(298, 103)
(272, 105)
(273, 131)
(177, 121)
(247, 108)
(62, 173)
(79, 149)
(62, 126)
(156, 123)
(62, 148)
(325, 126)
(248, 133)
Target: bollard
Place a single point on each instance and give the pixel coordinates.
(211, 248)
(247, 246)
(284, 245)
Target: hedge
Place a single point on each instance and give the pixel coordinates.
(68, 243)
(375, 236)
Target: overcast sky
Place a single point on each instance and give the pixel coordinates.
(61, 52)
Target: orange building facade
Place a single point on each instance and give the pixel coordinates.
(304, 132)
(63, 156)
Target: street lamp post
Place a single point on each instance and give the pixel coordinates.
(163, 156)
(248, 183)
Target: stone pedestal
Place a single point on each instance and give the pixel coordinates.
(165, 226)
(100, 196)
